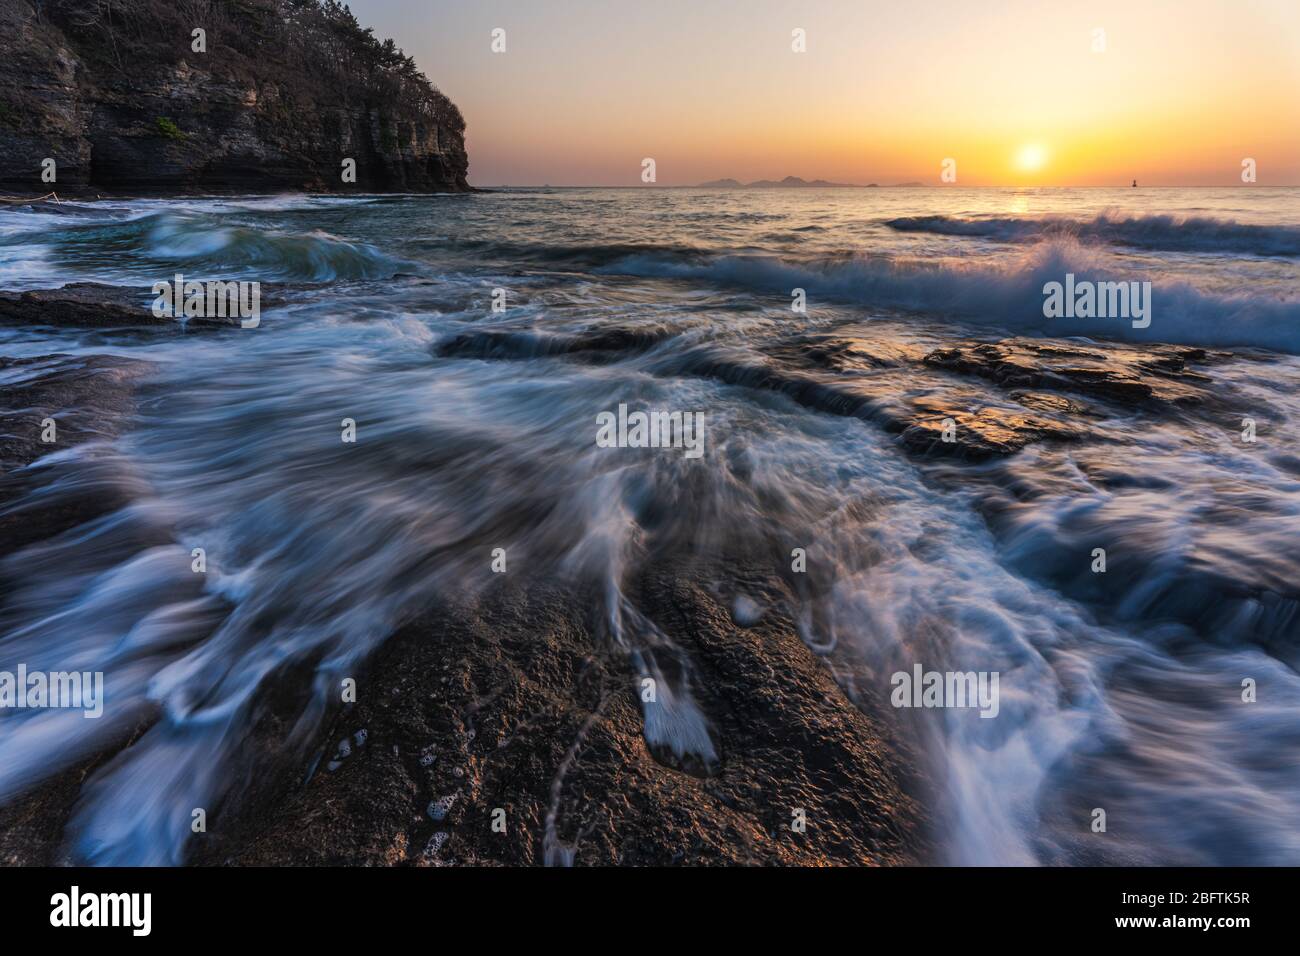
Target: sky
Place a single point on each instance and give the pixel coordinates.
(1041, 93)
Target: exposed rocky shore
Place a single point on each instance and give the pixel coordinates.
(512, 709)
(116, 95)
(513, 701)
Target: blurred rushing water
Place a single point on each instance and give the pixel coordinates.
(1121, 692)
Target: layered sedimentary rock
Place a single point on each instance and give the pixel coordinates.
(126, 96)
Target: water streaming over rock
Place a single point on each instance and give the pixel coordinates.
(476, 430)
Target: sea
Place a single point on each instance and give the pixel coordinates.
(474, 341)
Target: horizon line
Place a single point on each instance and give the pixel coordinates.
(920, 185)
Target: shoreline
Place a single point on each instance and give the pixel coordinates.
(512, 694)
(514, 679)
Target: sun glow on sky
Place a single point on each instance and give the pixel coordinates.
(1017, 92)
(1031, 157)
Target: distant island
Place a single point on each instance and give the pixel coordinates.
(790, 182)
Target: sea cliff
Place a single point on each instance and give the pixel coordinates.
(176, 96)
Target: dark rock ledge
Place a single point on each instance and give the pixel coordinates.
(95, 305)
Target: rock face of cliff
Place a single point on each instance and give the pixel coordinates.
(126, 96)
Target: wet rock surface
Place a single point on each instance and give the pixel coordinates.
(89, 398)
(510, 728)
(80, 305)
(992, 399)
(946, 425)
(535, 731)
(96, 305)
(1130, 376)
(974, 400)
(535, 722)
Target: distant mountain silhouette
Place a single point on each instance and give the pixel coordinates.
(790, 182)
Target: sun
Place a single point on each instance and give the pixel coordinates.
(1031, 157)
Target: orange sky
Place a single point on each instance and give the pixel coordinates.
(1183, 91)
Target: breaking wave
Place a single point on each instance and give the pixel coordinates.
(149, 247)
(1007, 296)
(1167, 232)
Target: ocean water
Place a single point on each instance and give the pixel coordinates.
(1120, 691)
